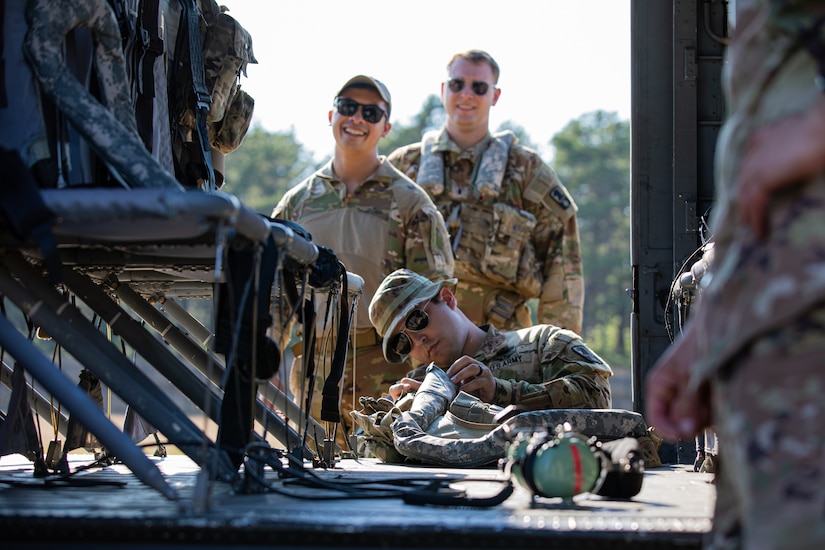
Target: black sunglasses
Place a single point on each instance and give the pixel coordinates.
(479, 87)
(348, 107)
(415, 321)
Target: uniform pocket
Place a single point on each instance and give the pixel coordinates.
(510, 257)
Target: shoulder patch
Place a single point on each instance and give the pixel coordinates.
(560, 197)
(585, 352)
(545, 189)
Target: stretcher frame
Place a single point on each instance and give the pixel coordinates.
(135, 248)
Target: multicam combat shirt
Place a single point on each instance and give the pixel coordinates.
(755, 285)
(545, 367)
(387, 223)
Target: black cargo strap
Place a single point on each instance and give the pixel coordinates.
(190, 25)
(308, 319)
(150, 46)
(412, 490)
(330, 404)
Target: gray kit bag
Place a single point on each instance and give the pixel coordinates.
(444, 427)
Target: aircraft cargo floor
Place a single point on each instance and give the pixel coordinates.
(111, 508)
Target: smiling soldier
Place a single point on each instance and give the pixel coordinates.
(375, 219)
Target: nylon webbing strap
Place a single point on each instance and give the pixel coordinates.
(203, 99)
(330, 406)
(308, 318)
(150, 47)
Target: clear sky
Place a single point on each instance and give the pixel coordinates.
(559, 58)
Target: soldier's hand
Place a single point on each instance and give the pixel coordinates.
(473, 377)
(405, 385)
(675, 409)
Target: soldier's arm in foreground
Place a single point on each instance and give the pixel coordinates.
(780, 155)
(677, 409)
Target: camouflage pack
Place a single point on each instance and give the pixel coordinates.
(440, 426)
(228, 133)
(131, 89)
(227, 50)
(212, 51)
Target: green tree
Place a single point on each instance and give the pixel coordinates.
(593, 160)
(522, 135)
(430, 117)
(265, 166)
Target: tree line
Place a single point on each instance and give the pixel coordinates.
(592, 158)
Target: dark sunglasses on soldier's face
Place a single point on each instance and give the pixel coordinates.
(348, 107)
(479, 87)
(418, 319)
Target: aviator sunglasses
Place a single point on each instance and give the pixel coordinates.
(348, 107)
(415, 321)
(479, 87)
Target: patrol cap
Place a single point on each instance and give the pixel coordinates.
(396, 297)
(370, 82)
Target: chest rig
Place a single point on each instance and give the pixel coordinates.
(490, 238)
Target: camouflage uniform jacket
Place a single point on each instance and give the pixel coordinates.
(387, 223)
(518, 242)
(545, 367)
(755, 286)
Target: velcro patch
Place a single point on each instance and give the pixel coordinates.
(585, 352)
(560, 197)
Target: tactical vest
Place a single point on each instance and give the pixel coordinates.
(491, 240)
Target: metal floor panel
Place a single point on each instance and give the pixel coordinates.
(673, 510)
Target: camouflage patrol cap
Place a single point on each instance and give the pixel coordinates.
(370, 82)
(398, 294)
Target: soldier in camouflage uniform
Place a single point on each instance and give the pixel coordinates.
(375, 220)
(539, 367)
(512, 223)
(750, 361)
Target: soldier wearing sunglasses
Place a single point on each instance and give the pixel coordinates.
(375, 219)
(539, 367)
(512, 223)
